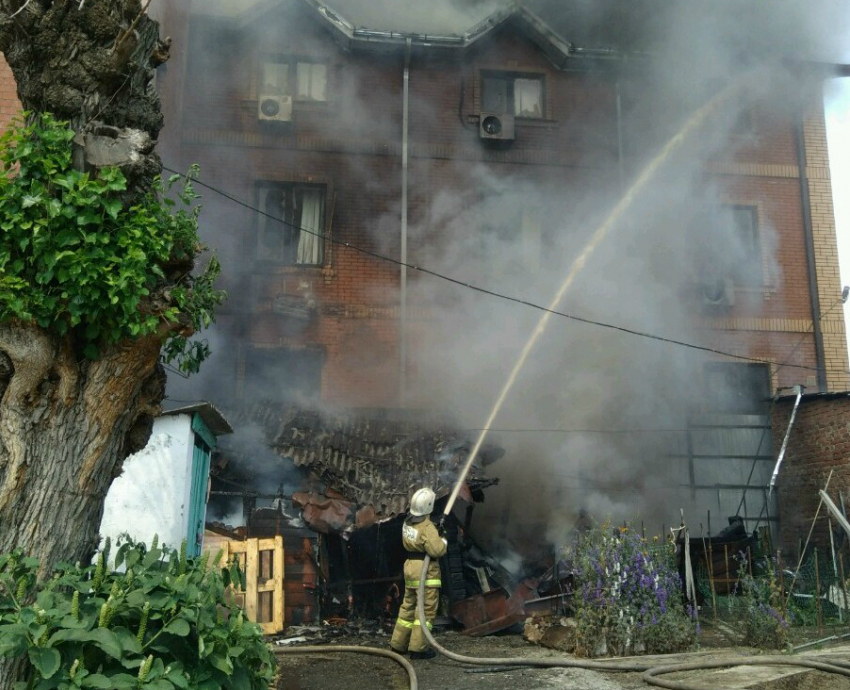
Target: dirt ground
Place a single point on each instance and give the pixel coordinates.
(360, 672)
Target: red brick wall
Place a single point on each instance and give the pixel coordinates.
(211, 109)
(9, 103)
(356, 152)
(819, 442)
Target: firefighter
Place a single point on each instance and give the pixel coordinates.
(420, 536)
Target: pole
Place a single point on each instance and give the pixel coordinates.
(405, 124)
(710, 564)
(843, 581)
(817, 592)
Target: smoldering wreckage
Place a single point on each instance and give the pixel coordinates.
(345, 492)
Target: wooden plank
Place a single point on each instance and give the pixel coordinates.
(251, 565)
(278, 605)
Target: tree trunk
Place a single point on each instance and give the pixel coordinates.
(67, 424)
(66, 427)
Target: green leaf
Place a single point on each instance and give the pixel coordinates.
(96, 680)
(240, 680)
(45, 660)
(113, 207)
(178, 627)
(222, 663)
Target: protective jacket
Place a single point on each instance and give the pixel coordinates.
(420, 536)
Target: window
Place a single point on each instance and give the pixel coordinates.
(519, 94)
(728, 246)
(518, 223)
(299, 238)
(732, 388)
(312, 80)
(282, 375)
(304, 80)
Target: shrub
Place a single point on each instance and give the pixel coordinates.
(79, 257)
(628, 596)
(760, 601)
(162, 624)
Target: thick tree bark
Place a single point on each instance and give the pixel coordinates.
(67, 424)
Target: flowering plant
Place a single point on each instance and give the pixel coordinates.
(628, 595)
(765, 622)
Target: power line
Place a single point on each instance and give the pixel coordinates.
(477, 288)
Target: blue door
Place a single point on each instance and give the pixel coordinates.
(204, 442)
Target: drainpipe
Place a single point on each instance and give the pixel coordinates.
(620, 135)
(810, 255)
(402, 363)
(799, 391)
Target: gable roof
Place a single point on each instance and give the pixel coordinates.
(560, 51)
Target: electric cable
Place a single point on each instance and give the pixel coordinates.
(485, 291)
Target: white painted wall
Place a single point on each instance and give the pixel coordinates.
(152, 494)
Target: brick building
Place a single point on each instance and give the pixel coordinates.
(819, 443)
(350, 135)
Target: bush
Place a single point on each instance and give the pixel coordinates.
(628, 596)
(77, 256)
(162, 624)
(760, 595)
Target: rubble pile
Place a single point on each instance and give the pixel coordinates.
(552, 631)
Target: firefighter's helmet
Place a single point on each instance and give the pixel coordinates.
(422, 502)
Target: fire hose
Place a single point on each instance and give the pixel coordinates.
(651, 672)
(353, 649)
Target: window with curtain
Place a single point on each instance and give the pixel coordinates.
(311, 78)
(518, 94)
(291, 226)
(304, 80)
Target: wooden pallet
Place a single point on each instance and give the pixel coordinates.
(262, 561)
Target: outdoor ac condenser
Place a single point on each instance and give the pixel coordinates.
(719, 293)
(496, 127)
(275, 108)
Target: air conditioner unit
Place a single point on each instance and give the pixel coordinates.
(275, 108)
(719, 293)
(496, 126)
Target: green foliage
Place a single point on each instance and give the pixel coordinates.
(77, 257)
(759, 601)
(628, 596)
(164, 623)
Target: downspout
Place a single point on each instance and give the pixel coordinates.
(402, 362)
(620, 136)
(799, 391)
(814, 296)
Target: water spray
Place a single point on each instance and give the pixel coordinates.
(651, 672)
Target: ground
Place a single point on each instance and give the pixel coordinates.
(360, 672)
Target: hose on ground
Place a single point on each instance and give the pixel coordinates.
(650, 672)
(353, 649)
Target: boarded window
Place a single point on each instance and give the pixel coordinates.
(517, 94)
(291, 228)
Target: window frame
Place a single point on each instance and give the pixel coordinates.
(511, 75)
(290, 188)
(292, 62)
